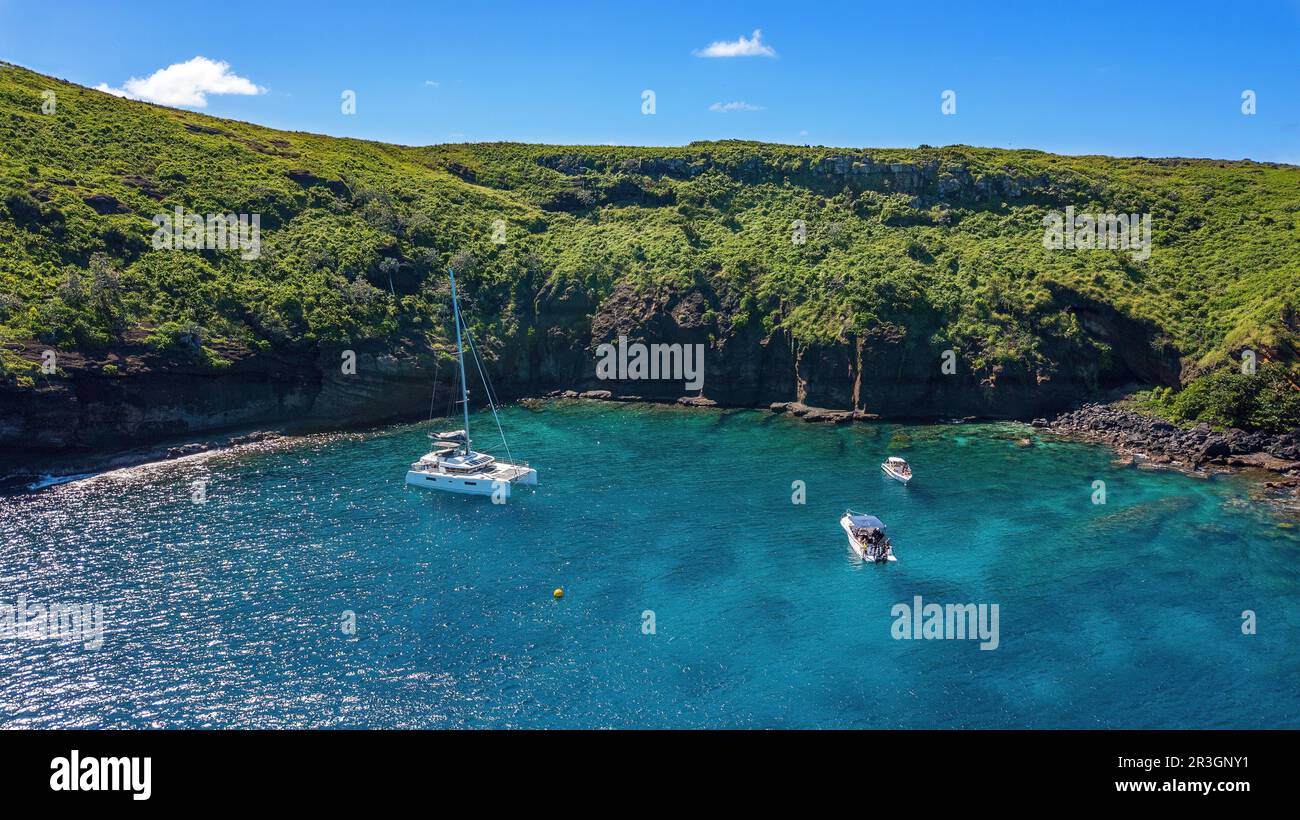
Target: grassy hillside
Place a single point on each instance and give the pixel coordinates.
(940, 245)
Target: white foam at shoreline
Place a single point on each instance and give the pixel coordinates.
(55, 480)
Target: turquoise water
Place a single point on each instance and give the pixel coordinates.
(228, 613)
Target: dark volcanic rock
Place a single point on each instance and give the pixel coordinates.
(307, 179)
(820, 414)
(146, 186)
(1215, 447)
(152, 398)
(103, 204)
(696, 401)
(1162, 442)
(203, 129)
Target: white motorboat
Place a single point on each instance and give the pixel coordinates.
(453, 465)
(897, 469)
(867, 537)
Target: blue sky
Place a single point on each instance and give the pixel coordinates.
(1152, 79)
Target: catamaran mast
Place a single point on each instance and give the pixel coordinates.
(460, 355)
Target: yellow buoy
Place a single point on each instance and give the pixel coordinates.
(558, 593)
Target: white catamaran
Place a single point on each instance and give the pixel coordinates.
(453, 466)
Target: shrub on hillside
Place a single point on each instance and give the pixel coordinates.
(1264, 400)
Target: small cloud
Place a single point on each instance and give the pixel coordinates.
(744, 47)
(432, 83)
(738, 105)
(803, 133)
(188, 83)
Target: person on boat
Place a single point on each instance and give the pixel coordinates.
(873, 543)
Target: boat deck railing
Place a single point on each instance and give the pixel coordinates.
(493, 471)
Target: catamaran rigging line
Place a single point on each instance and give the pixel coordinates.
(460, 349)
(487, 387)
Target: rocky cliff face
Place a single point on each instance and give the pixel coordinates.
(150, 398)
(890, 373)
(893, 374)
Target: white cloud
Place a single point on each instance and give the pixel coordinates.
(738, 105)
(188, 83)
(744, 47)
(432, 83)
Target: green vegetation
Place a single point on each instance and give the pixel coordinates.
(355, 237)
(1266, 399)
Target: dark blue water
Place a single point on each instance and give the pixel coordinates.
(228, 613)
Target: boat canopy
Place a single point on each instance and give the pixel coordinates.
(896, 460)
(869, 522)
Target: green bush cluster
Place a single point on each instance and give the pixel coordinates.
(1267, 399)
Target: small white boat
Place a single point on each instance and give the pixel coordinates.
(867, 537)
(453, 466)
(897, 469)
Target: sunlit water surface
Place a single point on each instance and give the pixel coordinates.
(229, 613)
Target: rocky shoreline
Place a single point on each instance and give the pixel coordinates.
(1141, 439)
(58, 470)
(1198, 450)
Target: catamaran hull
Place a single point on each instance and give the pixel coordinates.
(857, 548)
(469, 485)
